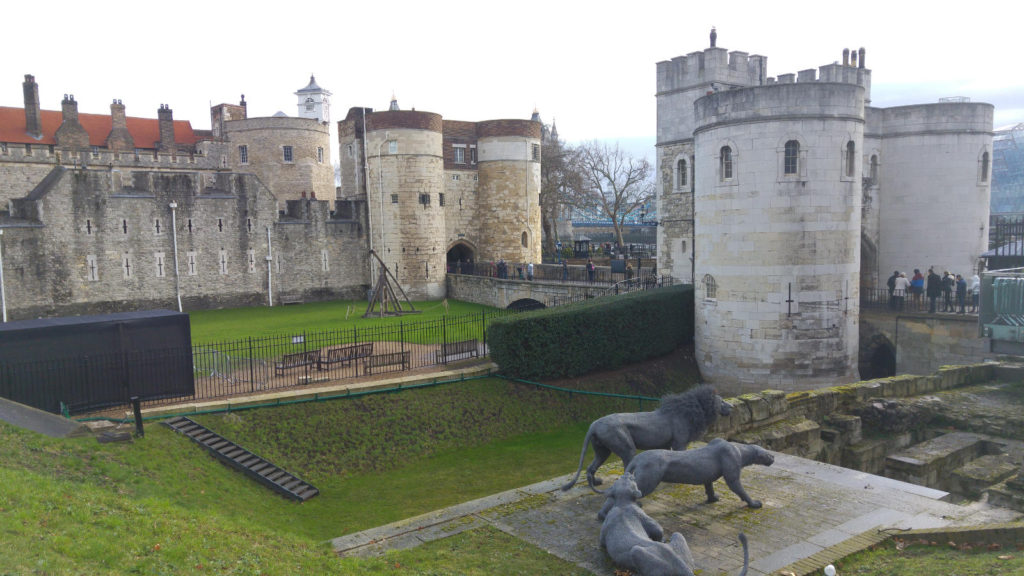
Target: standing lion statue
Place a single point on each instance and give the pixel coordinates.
(680, 419)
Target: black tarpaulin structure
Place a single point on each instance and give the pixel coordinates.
(83, 363)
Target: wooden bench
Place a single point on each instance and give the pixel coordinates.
(449, 349)
(386, 359)
(296, 360)
(344, 355)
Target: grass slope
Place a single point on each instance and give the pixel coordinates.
(160, 505)
(210, 326)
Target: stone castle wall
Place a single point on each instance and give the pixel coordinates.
(780, 250)
(116, 248)
(675, 211)
(309, 172)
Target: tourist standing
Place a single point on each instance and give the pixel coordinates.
(529, 271)
(891, 283)
(590, 269)
(975, 293)
(917, 288)
(947, 292)
(901, 287)
(961, 294)
(933, 289)
(565, 270)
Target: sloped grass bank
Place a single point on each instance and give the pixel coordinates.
(160, 505)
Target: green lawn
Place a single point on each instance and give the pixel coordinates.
(210, 326)
(161, 505)
(940, 558)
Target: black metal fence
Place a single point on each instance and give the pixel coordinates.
(575, 273)
(905, 301)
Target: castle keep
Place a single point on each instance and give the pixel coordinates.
(783, 197)
(104, 213)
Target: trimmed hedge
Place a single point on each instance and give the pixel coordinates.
(599, 334)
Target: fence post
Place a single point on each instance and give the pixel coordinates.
(483, 327)
(444, 339)
(252, 369)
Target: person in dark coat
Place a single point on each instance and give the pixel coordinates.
(933, 290)
(961, 294)
(891, 283)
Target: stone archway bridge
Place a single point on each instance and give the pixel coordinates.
(512, 292)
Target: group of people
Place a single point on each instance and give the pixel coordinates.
(947, 287)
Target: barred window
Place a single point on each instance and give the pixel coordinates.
(726, 163)
(243, 154)
(681, 174)
(791, 162)
(288, 154)
(710, 288)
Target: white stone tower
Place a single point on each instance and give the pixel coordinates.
(314, 101)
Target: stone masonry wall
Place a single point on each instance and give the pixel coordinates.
(675, 212)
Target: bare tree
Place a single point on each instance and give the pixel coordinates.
(557, 181)
(611, 181)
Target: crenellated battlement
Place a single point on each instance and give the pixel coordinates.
(48, 154)
(712, 66)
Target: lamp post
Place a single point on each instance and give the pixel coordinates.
(174, 235)
(3, 295)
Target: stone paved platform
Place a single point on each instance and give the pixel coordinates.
(808, 507)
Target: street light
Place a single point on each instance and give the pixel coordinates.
(3, 295)
(174, 234)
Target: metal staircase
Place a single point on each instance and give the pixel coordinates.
(232, 454)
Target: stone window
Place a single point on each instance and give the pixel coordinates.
(3, 148)
(28, 149)
(95, 151)
(320, 154)
(392, 146)
(525, 240)
(394, 198)
(161, 267)
(248, 224)
(288, 157)
(725, 163)
(851, 158)
(91, 269)
(455, 177)
(459, 153)
(251, 260)
(124, 226)
(874, 169)
(323, 261)
(984, 166)
(243, 154)
(791, 161)
(681, 173)
(425, 199)
(710, 287)
(127, 266)
(88, 227)
(191, 264)
(472, 154)
(440, 199)
(535, 152)
(309, 104)
(223, 262)
(157, 228)
(220, 224)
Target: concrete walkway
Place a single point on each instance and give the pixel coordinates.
(808, 508)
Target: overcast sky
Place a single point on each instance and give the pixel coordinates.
(590, 66)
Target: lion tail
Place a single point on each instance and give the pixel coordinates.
(746, 554)
(583, 455)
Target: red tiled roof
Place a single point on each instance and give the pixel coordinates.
(145, 131)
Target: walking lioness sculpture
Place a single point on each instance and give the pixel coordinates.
(680, 419)
(633, 539)
(719, 459)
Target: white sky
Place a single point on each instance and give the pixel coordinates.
(589, 65)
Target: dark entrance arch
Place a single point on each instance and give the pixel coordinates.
(877, 358)
(526, 304)
(460, 259)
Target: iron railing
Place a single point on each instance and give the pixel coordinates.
(902, 301)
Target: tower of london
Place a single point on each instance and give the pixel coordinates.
(112, 212)
(781, 198)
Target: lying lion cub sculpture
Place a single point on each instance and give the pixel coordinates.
(698, 466)
(633, 539)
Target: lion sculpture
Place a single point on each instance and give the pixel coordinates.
(704, 465)
(680, 419)
(634, 540)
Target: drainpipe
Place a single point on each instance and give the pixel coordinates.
(174, 234)
(270, 266)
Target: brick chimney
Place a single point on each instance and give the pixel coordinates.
(166, 117)
(33, 120)
(71, 134)
(119, 137)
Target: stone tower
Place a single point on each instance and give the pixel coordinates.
(314, 101)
